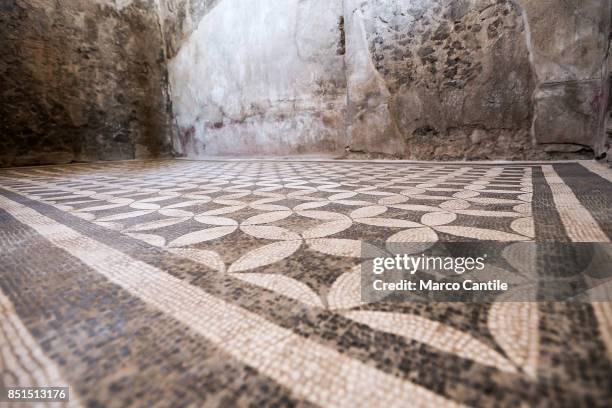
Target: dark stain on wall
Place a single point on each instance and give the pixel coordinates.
(342, 41)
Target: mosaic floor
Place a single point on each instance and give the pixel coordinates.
(237, 283)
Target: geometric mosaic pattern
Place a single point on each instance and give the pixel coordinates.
(237, 282)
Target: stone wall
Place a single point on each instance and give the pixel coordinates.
(179, 18)
(261, 77)
(449, 79)
(477, 79)
(81, 80)
(569, 44)
(417, 79)
(85, 80)
(607, 143)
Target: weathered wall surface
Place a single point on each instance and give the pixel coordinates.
(81, 80)
(262, 77)
(180, 18)
(607, 141)
(448, 79)
(427, 79)
(84, 80)
(569, 44)
(476, 79)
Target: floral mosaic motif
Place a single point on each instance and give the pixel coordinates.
(263, 259)
(280, 210)
(337, 198)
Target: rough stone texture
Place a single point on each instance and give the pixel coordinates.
(434, 79)
(263, 79)
(568, 112)
(180, 18)
(607, 148)
(454, 78)
(81, 80)
(477, 79)
(429, 79)
(568, 43)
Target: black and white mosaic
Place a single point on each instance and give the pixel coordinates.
(230, 283)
